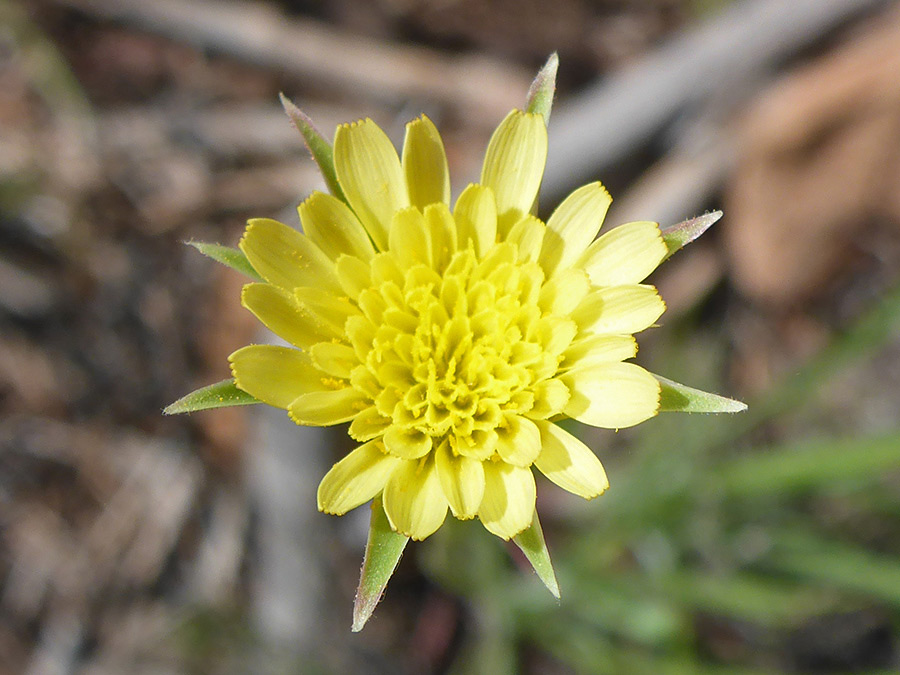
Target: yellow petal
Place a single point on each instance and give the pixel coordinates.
(480, 444)
(335, 359)
(550, 398)
(440, 228)
(514, 165)
(385, 268)
(499, 255)
(282, 315)
(324, 408)
(361, 333)
(462, 480)
(370, 174)
(611, 395)
(413, 498)
(520, 440)
(616, 310)
(527, 235)
(329, 311)
(570, 463)
(425, 164)
(353, 274)
(274, 375)
(563, 292)
(531, 278)
(626, 254)
(285, 257)
(476, 218)
(596, 349)
(573, 226)
(355, 479)
(407, 239)
(369, 424)
(331, 224)
(555, 334)
(508, 503)
(364, 381)
(406, 443)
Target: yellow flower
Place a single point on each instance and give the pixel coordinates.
(452, 340)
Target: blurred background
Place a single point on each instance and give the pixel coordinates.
(132, 543)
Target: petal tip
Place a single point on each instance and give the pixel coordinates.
(600, 493)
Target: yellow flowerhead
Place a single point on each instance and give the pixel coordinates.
(452, 340)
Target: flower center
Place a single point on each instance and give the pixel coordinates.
(456, 354)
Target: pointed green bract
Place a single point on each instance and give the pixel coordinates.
(318, 147)
(675, 397)
(383, 551)
(219, 395)
(540, 99)
(230, 257)
(540, 94)
(680, 235)
(837, 564)
(532, 544)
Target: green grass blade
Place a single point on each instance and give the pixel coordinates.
(838, 564)
(862, 340)
(811, 465)
(746, 597)
(626, 610)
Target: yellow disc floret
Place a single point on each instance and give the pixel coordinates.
(459, 352)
